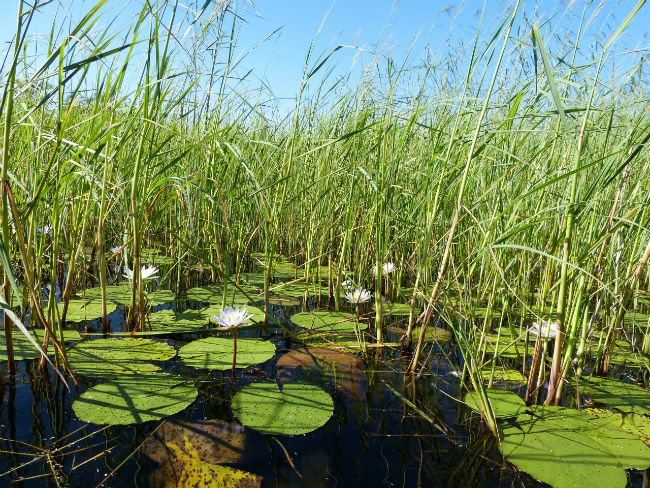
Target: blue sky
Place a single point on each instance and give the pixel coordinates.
(374, 29)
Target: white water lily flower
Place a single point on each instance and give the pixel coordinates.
(348, 285)
(232, 317)
(358, 296)
(388, 267)
(548, 330)
(113, 250)
(146, 273)
(44, 230)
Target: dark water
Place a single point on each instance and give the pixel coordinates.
(372, 439)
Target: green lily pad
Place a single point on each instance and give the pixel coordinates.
(217, 352)
(396, 309)
(214, 294)
(297, 289)
(106, 358)
(626, 397)
(631, 423)
(325, 321)
(432, 334)
(505, 404)
(296, 409)
(80, 310)
(159, 297)
(509, 346)
(503, 374)
(177, 323)
(24, 349)
(284, 301)
(134, 399)
(567, 448)
(117, 293)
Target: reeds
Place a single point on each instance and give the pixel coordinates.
(518, 183)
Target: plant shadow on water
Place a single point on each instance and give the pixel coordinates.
(385, 429)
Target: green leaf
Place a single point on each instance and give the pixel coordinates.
(217, 352)
(505, 404)
(396, 309)
(296, 409)
(214, 294)
(326, 321)
(107, 358)
(134, 399)
(80, 310)
(626, 397)
(569, 448)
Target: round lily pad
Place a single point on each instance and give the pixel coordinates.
(217, 352)
(296, 409)
(326, 321)
(117, 293)
(160, 297)
(24, 349)
(214, 294)
(297, 289)
(623, 396)
(433, 334)
(504, 403)
(106, 358)
(166, 321)
(79, 310)
(134, 399)
(396, 309)
(567, 448)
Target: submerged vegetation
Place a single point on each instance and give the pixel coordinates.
(484, 219)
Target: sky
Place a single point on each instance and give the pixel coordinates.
(274, 36)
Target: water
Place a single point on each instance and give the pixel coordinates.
(374, 438)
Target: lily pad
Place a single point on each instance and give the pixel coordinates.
(217, 352)
(160, 297)
(503, 374)
(326, 321)
(505, 404)
(567, 448)
(117, 293)
(214, 294)
(24, 349)
(623, 396)
(296, 409)
(631, 423)
(432, 334)
(396, 309)
(178, 323)
(134, 399)
(297, 289)
(80, 310)
(107, 358)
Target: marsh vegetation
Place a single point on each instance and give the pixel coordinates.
(432, 275)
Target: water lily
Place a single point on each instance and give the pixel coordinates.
(232, 317)
(146, 272)
(348, 285)
(115, 249)
(46, 229)
(388, 267)
(358, 296)
(548, 330)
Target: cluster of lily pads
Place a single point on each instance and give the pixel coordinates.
(561, 446)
